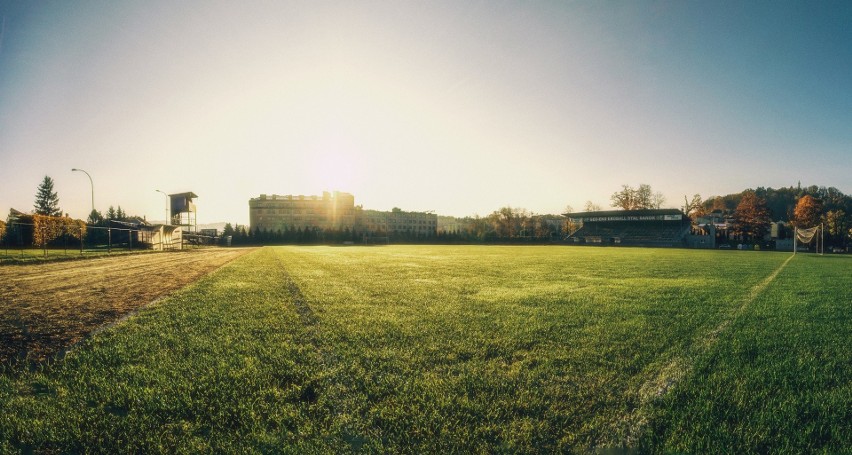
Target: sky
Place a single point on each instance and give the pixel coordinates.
(457, 107)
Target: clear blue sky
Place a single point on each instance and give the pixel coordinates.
(457, 107)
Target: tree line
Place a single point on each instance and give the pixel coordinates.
(752, 210)
(749, 214)
(47, 225)
(506, 225)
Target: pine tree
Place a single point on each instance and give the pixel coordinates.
(120, 215)
(95, 217)
(229, 230)
(47, 201)
(111, 214)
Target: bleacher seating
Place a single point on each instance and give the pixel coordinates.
(633, 233)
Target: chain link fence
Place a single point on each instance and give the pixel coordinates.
(31, 241)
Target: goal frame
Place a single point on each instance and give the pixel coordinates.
(820, 239)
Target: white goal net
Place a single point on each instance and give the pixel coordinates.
(808, 236)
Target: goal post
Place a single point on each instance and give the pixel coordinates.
(814, 234)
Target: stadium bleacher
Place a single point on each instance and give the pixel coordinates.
(665, 227)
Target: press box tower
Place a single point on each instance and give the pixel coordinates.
(183, 211)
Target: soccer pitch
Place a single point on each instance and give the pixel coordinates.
(433, 349)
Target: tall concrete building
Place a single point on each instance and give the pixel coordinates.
(337, 211)
(273, 212)
(397, 221)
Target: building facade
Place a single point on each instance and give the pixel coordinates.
(397, 221)
(334, 211)
(273, 213)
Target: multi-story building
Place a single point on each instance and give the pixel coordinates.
(398, 221)
(337, 211)
(450, 224)
(330, 211)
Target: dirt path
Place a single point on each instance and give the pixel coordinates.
(47, 307)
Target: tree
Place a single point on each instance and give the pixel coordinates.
(624, 199)
(658, 200)
(630, 198)
(591, 207)
(508, 221)
(479, 228)
(644, 197)
(543, 229)
(835, 223)
(694, 208)
(571, 226)
(111, 214)
(807, 211)
(751, 217)
(716, 204)
(228, 230)
(95, 217)
(47, 201)
(120, 215)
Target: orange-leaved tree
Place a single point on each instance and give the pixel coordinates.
(807, 212)
(751, 217)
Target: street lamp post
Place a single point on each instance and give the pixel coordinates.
(91, 183)
(168, 222)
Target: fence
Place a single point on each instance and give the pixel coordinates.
(24, 240)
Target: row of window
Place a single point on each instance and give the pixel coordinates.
(291, 211)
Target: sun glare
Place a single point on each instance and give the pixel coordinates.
(336, 167)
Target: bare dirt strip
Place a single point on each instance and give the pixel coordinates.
(47, 307)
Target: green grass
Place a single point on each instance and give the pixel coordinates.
(781, 380)
(463, 349)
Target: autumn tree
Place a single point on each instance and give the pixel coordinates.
(47, 201)
(835, 225)
(543, 229)
(694, 208)
(751, 217)
(480, 228)
(807, 212)
(571, 226)
(508, 222)
(717, 204)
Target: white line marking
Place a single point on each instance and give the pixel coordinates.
(674, 371)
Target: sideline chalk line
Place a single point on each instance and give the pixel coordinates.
(679, 367)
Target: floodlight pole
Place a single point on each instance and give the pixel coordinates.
(91, 183)
(168, 222)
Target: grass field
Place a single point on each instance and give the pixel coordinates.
(18, 255)
(463, 349)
